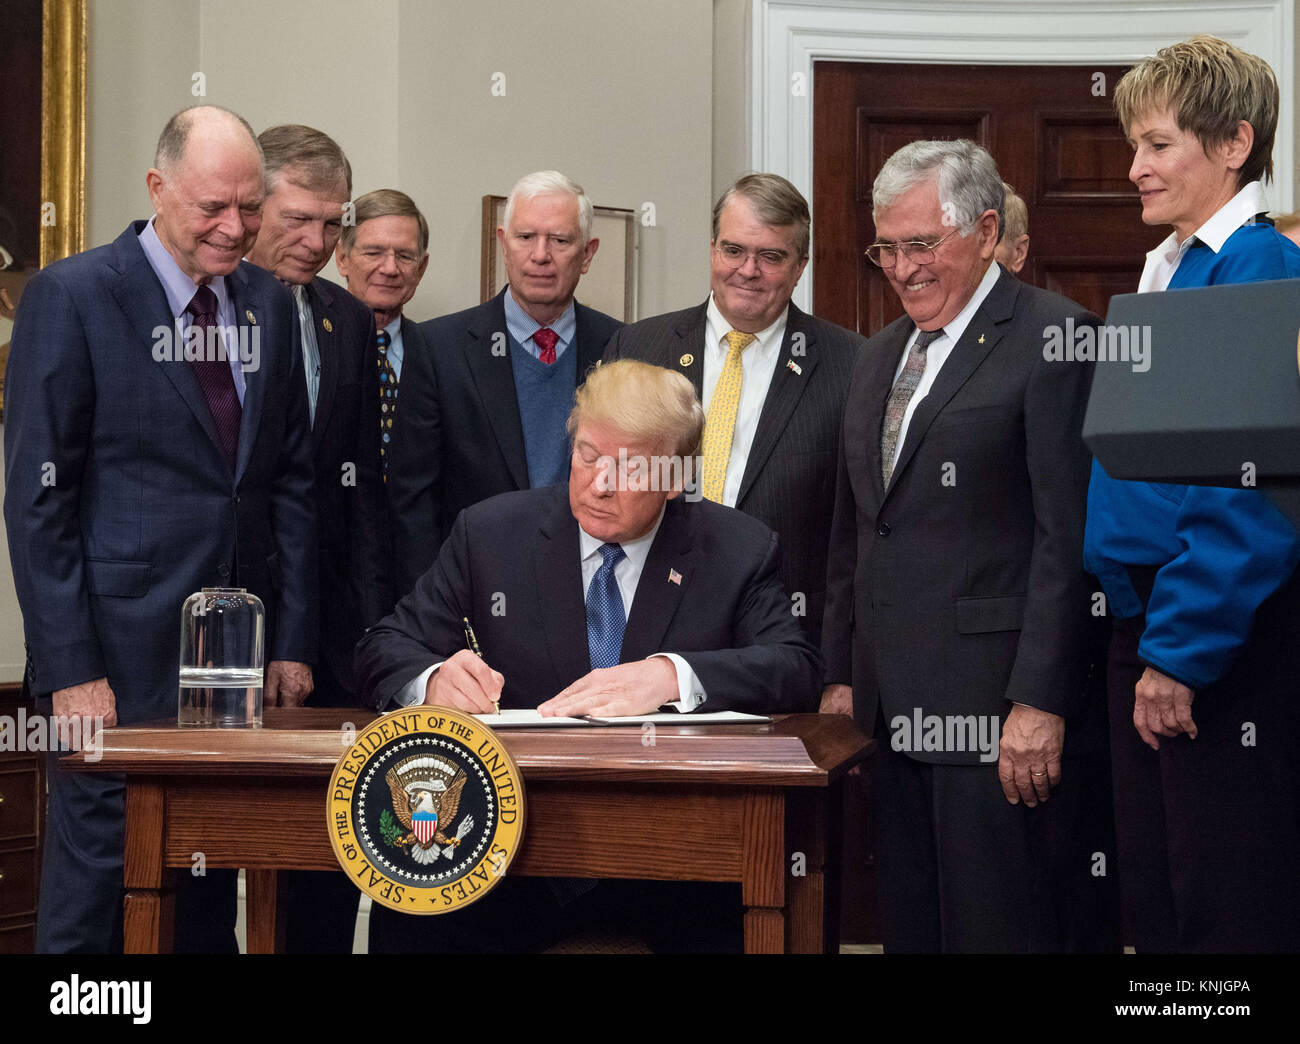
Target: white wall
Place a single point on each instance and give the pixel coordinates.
(616, 93)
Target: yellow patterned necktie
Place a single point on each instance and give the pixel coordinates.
(720, 425)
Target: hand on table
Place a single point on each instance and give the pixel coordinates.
(611, 692)
(90, 702)
(288, 683)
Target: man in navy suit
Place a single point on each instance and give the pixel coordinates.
(136, 475)
(309, 181)
(483, 410)
(383, 257)
(621, 597)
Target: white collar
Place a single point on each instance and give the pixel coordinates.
(955, 327)
(636, 550)
(719, 327)
(1238, 211)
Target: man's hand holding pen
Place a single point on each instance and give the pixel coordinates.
(465, 682)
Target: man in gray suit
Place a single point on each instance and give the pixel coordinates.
(957, 606)
(771, 377)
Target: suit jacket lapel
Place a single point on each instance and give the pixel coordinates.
(783, 394)
(979, 338)
(327, 330)
(689, 347)
(254, 379)
(657, 596)
(558, 573)
(142, 299)
(494, 377)
(585, 341)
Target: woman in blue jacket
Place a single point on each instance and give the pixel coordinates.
(1204, 673)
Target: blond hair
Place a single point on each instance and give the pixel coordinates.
(648, 404)
(1210, 85)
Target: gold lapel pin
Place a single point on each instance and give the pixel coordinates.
(686, 359)
(329, 327)
(981, 340)
(248, 314)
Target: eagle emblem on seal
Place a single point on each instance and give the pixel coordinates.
(426, 796)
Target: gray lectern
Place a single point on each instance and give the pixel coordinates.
(1197, 386)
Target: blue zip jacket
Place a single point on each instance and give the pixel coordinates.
(1221, 552)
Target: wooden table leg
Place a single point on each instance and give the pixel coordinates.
(148, 912)
(264, 911)
(764, 871)
(812, 922)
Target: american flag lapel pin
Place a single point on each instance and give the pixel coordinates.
(674, 577)
(790, 364)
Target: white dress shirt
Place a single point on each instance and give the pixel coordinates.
(758, 364)
(1163, 261)
(940, 348)
(180, 290)
(627, 574)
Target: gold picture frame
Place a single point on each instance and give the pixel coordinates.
(62, 145)
(63, 127)
(610, 283)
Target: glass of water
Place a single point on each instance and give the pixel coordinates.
(221, 659)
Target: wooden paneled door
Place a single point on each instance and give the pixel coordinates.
(1053, 134)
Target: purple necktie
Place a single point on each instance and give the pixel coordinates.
(215, 378)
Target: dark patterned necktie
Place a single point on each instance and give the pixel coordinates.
(605, 616)
(387, 399)
(546, 339)
(215, 379)
(901, 394)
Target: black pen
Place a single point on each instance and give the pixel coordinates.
(471, 642)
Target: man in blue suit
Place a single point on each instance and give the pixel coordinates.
(137, 475)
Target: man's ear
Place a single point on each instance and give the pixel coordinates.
(589, 251)
(153, 181)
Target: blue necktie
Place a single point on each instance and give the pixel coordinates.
(605, 617)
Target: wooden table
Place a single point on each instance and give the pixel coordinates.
(757, 804)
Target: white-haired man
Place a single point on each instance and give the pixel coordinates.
(957, 611)
(484, 408)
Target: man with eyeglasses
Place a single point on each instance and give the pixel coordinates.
(771, 377)
(383, 255)
(957, 612)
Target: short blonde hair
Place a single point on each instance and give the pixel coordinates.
(1017, 216)
(646, 403)
(1210, 85)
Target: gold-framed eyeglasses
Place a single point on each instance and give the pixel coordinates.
(918, 251)
(376, 255)
(734, 256)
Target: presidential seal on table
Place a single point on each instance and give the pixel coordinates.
(426, 810)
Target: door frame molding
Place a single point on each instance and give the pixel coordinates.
(788, 36)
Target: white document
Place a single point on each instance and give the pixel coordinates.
(510, 719)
